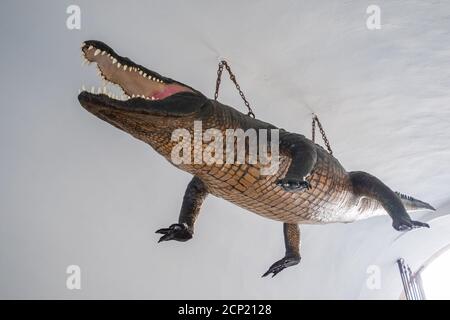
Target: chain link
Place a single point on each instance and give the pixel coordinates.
(313, 135)
(233, 78)
(315, 120)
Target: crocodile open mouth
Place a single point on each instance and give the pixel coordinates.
(134, 80)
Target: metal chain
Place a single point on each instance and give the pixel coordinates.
(233, 78)
(250, 113)
(322, 132)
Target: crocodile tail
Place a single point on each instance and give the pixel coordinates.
(412, 204)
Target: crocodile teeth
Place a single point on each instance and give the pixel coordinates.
(103, 89)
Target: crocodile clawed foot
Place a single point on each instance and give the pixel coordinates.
(406, 225)
(278, 266)
(177, 231)
(293, 184)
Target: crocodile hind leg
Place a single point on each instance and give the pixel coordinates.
(193, 198)
(292, 256)
(367, 185)
(304, 156)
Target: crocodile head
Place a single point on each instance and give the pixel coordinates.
(147, 102)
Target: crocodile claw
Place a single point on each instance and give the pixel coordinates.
(177, 231)
(278, 266)
(293, 185)
(406, 225)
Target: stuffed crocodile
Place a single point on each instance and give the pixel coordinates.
(309, 187)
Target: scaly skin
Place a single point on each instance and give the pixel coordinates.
(328, 200)
(309, 187)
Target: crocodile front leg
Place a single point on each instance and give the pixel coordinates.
(304, 157)
(193, 198)
(292, 256)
